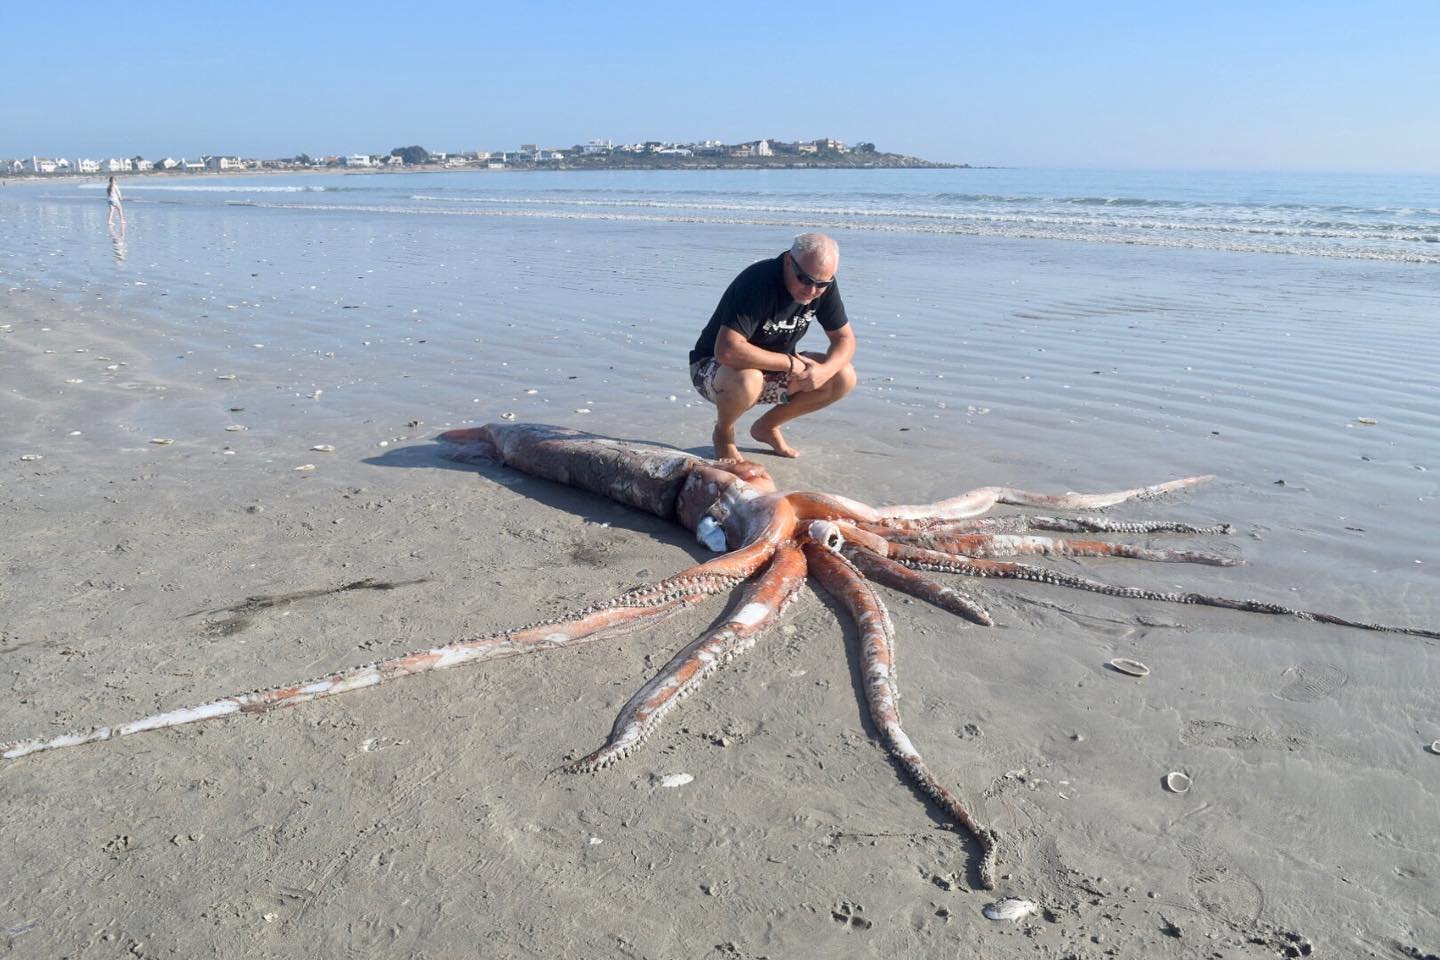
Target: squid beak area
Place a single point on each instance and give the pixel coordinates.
(827, 534)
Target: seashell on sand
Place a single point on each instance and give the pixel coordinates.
(237, 428)
(1177, 782)
(507, 416)
(1132, 668)
(1435, 748)
(32, 456)
(675, 780)
(161, 441)
(1011, 908)
(306, 466)
(226, 376)
(324, 447)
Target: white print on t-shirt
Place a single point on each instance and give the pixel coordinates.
(798, 322)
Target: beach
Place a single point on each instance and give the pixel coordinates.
(302, 519)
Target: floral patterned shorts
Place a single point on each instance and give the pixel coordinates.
(702, 375)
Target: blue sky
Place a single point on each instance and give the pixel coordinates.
(1257, 85)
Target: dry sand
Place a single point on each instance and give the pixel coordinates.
(423, 819)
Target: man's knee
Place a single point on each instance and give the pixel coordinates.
(843, 382)
(739, 384)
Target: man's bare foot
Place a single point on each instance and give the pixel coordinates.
(724, 442)
(771, 435)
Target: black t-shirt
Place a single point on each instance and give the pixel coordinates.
(758, 306)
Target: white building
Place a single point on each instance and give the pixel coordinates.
(357, 160)
(762, 149)
(598, 146)
(39, 165)
(168, 163)
(87, 166)
(223, 163)
(123, 165)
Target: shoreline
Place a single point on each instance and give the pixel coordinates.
(32, 178)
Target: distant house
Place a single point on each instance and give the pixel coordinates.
(676, 152)
(357, 160)
(112, 165)
(806, 147)
(598, 146)
(39, 165)
(222, 163)
(166, 164)
(742, 150)
(190, 166)
(395, 160)
(762, 149)
(830, 146)
(87, 166)
(12, 166)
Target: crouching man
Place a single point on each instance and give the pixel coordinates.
(747, 355)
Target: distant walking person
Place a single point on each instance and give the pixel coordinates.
(113, 197)
(747, 353)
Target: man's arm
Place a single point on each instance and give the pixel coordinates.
(733, 350)
(817, 373)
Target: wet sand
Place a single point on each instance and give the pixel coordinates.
(424, 818)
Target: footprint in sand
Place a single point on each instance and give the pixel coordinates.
(1308, 682)
(1217, 733)
(1222, 891)
(851, 914)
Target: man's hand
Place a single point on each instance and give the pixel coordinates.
(809, 375)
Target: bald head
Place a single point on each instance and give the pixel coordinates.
(817, 249)
(813, 260)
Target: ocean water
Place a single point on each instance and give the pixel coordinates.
(1039, 328)
(1335, 215)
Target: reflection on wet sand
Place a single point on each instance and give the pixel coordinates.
(118, 244)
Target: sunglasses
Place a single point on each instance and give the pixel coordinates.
(808, 280)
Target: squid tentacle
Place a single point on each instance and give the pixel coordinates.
(993, 545)
(1025, 522)
(922, 559)
(877, 635)
(832, 506)
(900, 577)
(609, 618)
(758, 607)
